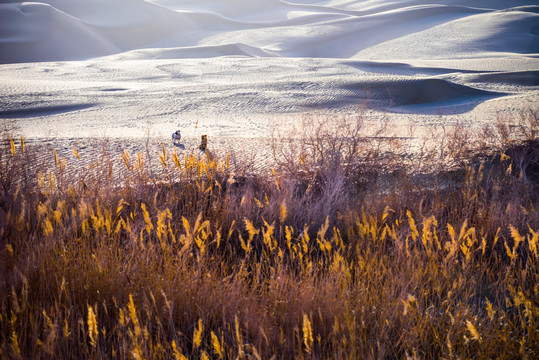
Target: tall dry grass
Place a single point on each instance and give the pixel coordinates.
(363, 247)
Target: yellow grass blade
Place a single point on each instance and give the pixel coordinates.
(282, 212)
(177, 354)
(216, 345)
(197, 334)
(411, 222)
(147, 219)
(92, 326)
(532, 241)
(307, 333)
(250, 228)
(13, 149)
(473, 331)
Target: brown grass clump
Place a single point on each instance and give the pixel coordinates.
(359, 248)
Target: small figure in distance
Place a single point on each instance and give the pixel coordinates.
(176, 138)
(176, 135)
(204, 147)
(203, 143)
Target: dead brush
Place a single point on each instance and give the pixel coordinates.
(322, 145)
(328, 160)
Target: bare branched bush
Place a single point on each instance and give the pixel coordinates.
(335, 149)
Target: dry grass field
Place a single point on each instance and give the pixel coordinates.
(355, 245)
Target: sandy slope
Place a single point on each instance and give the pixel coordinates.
(119, 67)
(81, 29)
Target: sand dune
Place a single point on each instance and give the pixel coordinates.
(169, 62)
(78, 29)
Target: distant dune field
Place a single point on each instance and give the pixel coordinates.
(77, 68)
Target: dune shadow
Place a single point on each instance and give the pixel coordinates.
(384, 67)
(422, 96)
(35, 111)
(113, 89)
(519, 78)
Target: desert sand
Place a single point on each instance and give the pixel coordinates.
(73, 69)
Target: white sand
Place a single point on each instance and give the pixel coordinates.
(81, 68)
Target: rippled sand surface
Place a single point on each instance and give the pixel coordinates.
(232, 68)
